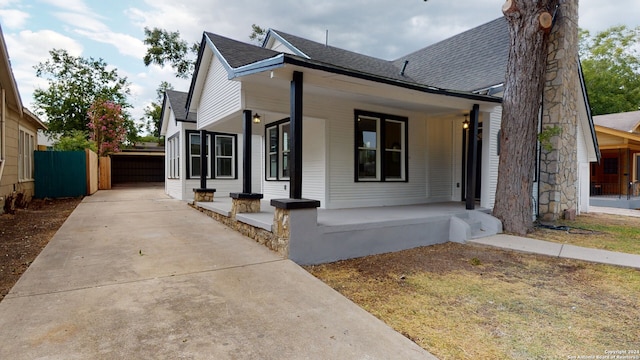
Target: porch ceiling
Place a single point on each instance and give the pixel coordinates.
(331, 85)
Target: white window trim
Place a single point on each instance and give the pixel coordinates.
(232, 157)
(173, 157)
(26, 159)
(280, 154)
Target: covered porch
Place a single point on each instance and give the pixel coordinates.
(311, 236)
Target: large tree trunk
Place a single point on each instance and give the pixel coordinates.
(529, 26)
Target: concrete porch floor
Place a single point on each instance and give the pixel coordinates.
(351, 216)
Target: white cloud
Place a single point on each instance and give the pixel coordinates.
(81, 20)
(126, 44)
(28, 48)
(13, 19)
(77, 6)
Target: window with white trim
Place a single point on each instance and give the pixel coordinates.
(26, 146)
(222, 164)
(278, 150)
(173, 157)
(380, 147)
(225, 153)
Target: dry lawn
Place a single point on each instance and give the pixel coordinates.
(470, 302)
(601, 231)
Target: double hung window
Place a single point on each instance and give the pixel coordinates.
(380, 147)
(278, 150)
(26, 146)
(173, 157)
(222, 164)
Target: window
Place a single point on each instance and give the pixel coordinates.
(222, 164)
(380, 147)
(194, 154)
(173, 157)
(225, 153)
(278, 150)
(610, 166)
(26, 146)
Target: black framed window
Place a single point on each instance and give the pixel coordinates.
(380, 147)
(278, 143)
(223, 163)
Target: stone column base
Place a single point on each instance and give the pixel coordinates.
(245, 203)
(203, 195)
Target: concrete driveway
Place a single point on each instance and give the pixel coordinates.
(133, 274)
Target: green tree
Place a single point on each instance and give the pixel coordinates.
(153, 111)
(611, 67)
(74, 83)
(165, 47)
(75, 140)
(257, 33)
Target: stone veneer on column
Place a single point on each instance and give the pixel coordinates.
(559, 167)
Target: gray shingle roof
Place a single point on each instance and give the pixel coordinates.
(238, 53)
(344, 58)
(626, 121)
(473, 60)
(178, 101)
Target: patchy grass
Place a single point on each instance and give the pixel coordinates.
(601, 231)
(467, 302)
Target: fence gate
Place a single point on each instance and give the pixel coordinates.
(60, 174)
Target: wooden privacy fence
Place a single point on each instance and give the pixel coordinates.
(69, 173)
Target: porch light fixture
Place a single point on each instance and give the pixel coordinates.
(256, 119)
(465, 123)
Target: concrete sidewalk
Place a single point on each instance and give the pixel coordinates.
(567, 251)
(133, 274)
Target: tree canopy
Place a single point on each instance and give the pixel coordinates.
(611, 67)
(74, 83)
(168, 48)
(153, 111)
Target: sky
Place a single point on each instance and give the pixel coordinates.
(114, 30)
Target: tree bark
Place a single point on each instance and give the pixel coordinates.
(524, 83)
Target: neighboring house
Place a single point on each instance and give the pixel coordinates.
(18, 139)
(342, 130)
(618, 173)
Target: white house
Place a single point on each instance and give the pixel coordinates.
(342, 130)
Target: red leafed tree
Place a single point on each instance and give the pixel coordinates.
(107, 126)
(529, 23)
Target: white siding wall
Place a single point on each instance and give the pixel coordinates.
(440, 160)
(490, 158)
(173, 187)
(220, 97)
(280, 47)
(342, 190)
(225, 186)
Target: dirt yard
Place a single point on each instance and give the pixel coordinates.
(24, 234)
(470, 302)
